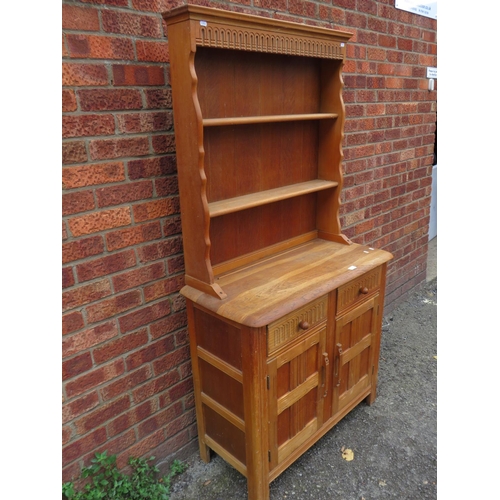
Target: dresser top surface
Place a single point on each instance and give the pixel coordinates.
(261, 293)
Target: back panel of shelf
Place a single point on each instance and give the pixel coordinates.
(247, 158)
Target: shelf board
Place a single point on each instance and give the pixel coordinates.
(223, 207)
(243, 120)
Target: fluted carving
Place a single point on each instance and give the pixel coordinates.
(255, 40)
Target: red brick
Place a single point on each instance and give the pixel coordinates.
(145, 122)
(328, 13)
(115, 305)
(131, 24)
(66, 435)
(106, 265)
(68, 100)
(139, 276)
(79, 406)
(149, 5)
(152, 51)
(141, 448)
(72, 322)
(163, 288)
(144, 316)
(76, 366)
(171, 360)
(167, 186)
(149, 353)
(151, 167)
(155, 209)
(155, 386)
(94, 378)
(85, 125)
(80, 249)
(115, 446)
(90, 175)
(81, 201)
(109, 99)
(67, 277)
(159, 420)
(116, 148)
(99, 221)
(130, 418)
(302, 8)
(79, 18)
(172, 226)
(180, 423)
(74, 152)
(88, 338)
(116, 3)
(120, 346)
(354, 19)
(84, 445)
(155, 251)
(127, 74)
(124, 193)
(175, 265)
(164, 143)
(132, 236)
(99, 47)
(158, 98)
(177, 392)
(74, 74)
(102, 414)
(125, 383)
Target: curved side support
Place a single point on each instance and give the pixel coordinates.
(201, 166)
(330, 153)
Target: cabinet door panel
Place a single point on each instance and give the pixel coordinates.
(355, 345)
(297, 380)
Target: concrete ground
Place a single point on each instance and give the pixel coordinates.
(394, 441)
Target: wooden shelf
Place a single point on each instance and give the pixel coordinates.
(244, 120)
(223, 207)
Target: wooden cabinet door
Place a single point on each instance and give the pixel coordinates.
(356, 346)
(297, 384)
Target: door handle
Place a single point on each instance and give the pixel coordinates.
(337, 363)
(326, 362)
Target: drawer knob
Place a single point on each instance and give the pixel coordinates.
(304, 325)
(363, 290)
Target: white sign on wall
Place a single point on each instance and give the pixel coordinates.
(432, 72)
(427, 8)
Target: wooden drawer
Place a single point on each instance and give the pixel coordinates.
(291, 326)
(356, 290)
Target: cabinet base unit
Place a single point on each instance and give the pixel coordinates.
(290, 351)
(284, 311)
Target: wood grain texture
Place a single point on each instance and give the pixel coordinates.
(265, 291)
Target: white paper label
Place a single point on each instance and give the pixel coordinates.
(203, 23)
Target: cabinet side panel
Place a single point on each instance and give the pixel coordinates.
(222, 388)
(229, 437)
(218, 338)
(189, 149)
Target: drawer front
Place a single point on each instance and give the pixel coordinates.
(291, 326)
(356, 290)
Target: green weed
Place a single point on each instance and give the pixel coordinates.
(108, 483)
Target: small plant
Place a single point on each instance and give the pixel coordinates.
(108, 483)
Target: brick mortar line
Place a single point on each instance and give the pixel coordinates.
(119, 135)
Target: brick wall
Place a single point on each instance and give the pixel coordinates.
(127, 382)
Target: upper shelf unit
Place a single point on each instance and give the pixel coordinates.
(258, 117)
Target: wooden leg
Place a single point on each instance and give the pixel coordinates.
(256, 408)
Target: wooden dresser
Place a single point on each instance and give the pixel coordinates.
(284, 311)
